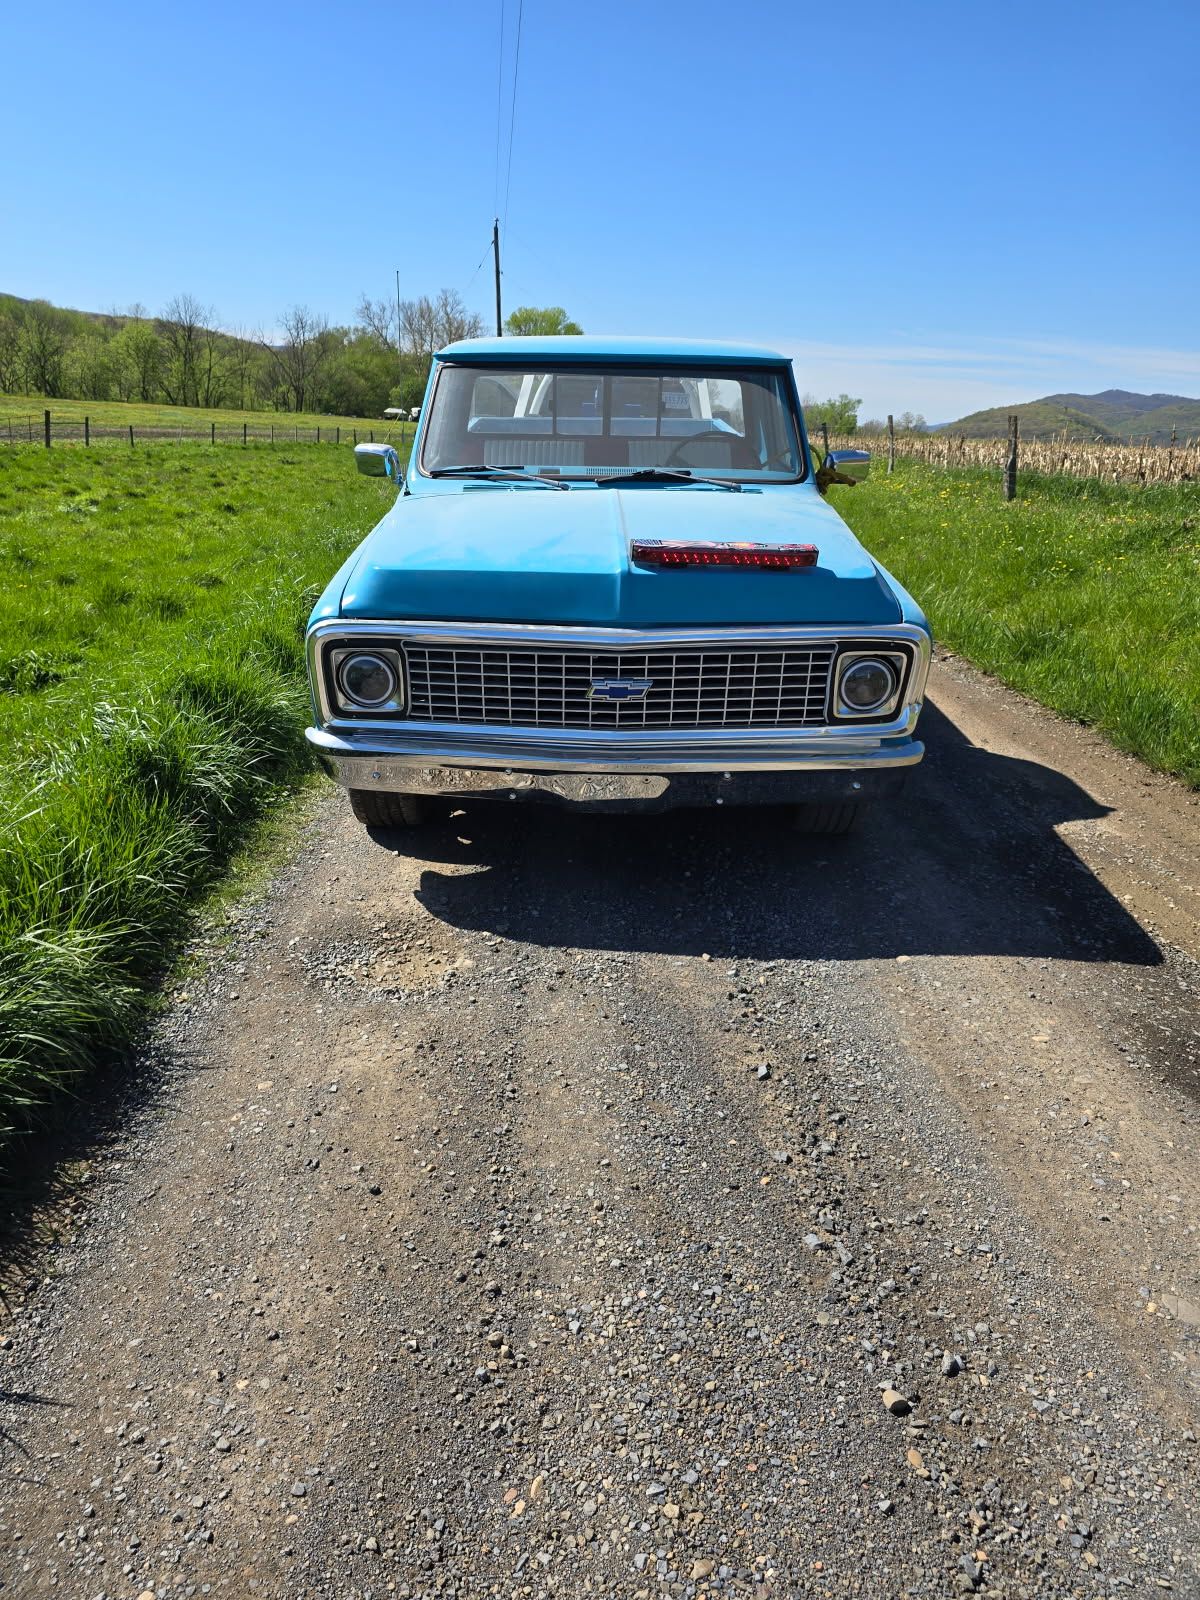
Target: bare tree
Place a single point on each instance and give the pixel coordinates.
(185, 321)
(378, 318)
(426, 325)
(298, 359)
(244, 349)
(210, 368)
(454, 321)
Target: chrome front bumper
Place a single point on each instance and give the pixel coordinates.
(653, 773)
(611, 769)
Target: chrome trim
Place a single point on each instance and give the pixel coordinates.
(852, 464)
(369, 753)
(394, 703)
(841, 708)
(379, 461)
(520, 634)
(623, 790)
(543, 687)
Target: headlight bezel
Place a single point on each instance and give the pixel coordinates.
(897, 661)
(343, 704)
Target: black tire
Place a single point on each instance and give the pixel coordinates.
(379, 809)
(835, 817)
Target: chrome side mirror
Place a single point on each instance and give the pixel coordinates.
(378, 461)
(852, 464)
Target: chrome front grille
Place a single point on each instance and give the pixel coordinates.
(776, 687)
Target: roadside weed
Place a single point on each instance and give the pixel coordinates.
(152, 704)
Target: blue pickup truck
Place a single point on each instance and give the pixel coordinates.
(610, 579)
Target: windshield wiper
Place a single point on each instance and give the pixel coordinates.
(664, 475)
(476, 469)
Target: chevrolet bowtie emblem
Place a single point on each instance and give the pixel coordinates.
(619, 688)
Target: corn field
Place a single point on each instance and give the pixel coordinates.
(1112, 463)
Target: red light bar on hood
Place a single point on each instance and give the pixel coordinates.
(713, 553)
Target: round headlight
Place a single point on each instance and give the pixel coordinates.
(367, 680)
(868, 684)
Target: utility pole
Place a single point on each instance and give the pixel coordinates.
(496, 251)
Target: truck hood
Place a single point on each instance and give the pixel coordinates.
(491, 554)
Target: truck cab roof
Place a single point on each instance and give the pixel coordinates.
(602, 347)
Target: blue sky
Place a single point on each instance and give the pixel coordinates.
(935, 206)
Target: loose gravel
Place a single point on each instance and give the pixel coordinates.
(610, 1207)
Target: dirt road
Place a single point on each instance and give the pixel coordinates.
(665, 1206)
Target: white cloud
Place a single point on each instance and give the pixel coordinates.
(945, 380)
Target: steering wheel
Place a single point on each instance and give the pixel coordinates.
(695, 438)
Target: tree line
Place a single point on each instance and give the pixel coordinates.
(184, 356)
(840, 416)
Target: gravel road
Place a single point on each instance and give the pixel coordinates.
(644, 1207)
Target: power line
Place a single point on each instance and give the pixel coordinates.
(512, 116)
(487, 250)
(499, 90)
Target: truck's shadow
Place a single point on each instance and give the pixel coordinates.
(965, 862)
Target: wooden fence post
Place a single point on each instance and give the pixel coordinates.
(272, 433)
(46, 418)
(212, 433)
(356, 435)
(87, 431)
(1010, 466)
(243, 433)
(318, 433)
(131, 435)
(825, 436)
(891, 444)
(370, 436)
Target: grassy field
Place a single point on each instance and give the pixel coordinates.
(152, 694)
(152, 704)
(20, 410)
(1084, 595)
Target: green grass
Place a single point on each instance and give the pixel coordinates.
(21, 409)
(152, 706)
(1081, 594)
(152, 697)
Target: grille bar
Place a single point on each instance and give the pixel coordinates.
(778, 687)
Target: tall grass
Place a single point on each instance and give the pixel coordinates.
(1072, 458)
(1085, 595)
(152, 703)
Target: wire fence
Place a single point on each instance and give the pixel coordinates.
(1143, 463)
(47, 430)
(1111, 463)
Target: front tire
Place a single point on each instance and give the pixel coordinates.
(381, 809)
(837, 818)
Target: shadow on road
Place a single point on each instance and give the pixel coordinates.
(13, 1398)
(965, 862)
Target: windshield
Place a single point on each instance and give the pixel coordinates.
(591, 424)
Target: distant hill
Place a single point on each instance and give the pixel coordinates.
(1114, 414)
